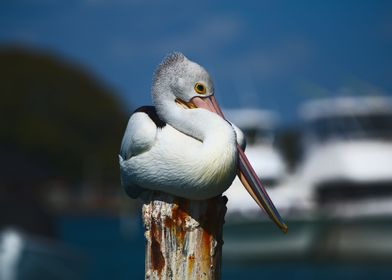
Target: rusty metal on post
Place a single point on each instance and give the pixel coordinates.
(184, 237)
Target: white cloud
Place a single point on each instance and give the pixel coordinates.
(208, 37)
(271, 62)
(352, 87)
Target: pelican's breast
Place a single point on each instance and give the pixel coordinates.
(183, 166)
(159, 157)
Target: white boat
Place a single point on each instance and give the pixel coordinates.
(338, 203)
(347, 163)
(248, 233)
(259, 128)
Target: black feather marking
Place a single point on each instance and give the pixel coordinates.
(134, 191)
(152, 113)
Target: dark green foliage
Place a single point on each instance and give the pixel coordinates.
(58, 116)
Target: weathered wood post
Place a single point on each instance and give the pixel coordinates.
(184, 237)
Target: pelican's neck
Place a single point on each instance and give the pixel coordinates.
(211, 165)
(200, 124)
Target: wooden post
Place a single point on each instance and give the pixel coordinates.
(184, 237)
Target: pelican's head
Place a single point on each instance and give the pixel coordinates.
(185, 83)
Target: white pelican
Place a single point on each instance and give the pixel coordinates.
(183, 145)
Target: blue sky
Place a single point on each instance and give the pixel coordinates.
(267, 54)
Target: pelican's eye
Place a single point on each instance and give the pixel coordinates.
(200, 88)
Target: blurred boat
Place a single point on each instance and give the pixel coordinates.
(248, 234)
(347, 165)
(259, 128)
(23, 256)
(338, 203)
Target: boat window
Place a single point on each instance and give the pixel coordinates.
(351, 127)
(257, 135)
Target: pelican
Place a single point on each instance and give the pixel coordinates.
(183, 145)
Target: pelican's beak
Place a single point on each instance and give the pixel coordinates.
(245, 171)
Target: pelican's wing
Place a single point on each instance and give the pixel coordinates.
(139, 137)
(241, 140)
(140, 133)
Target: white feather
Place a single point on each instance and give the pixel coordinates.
(139, 135)
(194, 155)
(182, 165)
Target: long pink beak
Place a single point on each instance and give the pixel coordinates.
(245, 171)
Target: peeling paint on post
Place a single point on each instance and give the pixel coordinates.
(184, 237)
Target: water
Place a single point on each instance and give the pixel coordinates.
(113, 251)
